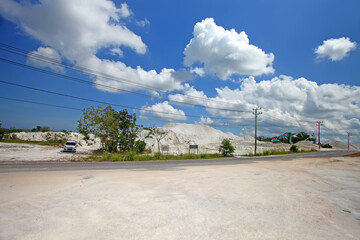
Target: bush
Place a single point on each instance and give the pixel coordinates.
(157, 156)
(139, 146)
(111, 146)
(130, 156)
(294, 148)
(226, 148)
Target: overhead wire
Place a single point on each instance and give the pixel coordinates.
(103, 102)
(39, 103)
(109, 87)
(39, 57)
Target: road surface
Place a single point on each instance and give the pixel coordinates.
(156, 165)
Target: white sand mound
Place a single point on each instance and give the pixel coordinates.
(181, 135)
(198, 134)
(306, 145)
(70, 136)
(336, 144)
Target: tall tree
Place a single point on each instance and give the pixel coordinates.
(127, 130)
(116, 129)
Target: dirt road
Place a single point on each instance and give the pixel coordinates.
(299, 199)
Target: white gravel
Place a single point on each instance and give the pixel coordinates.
(300, 199)
(19, 152)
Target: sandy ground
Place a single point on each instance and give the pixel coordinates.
(299, 199)
(19, 152)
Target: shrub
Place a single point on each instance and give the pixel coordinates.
(139, 146)
(157, 156)
(148, 151)
(111, 146)
(294, 148)
(226, 148)
(130, 156)
(115, 157)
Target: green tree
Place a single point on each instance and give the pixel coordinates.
(116, 129)
(139, 146)
(127, 130)
(294, 148)
(226, 148)
(300, 136)
(156, 133)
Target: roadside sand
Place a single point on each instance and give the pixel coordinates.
(20, 152)
(299, 199)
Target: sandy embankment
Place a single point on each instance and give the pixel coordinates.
(299, 199)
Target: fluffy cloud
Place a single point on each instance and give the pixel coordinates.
(335, 49)
(198, 71)
(79, 29)
(164, 111)
(289, 104)
(205, 121)
(225, 52)
(47, 53)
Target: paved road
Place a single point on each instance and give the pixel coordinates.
(154, 165)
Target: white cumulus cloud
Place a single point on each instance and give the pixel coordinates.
(293, 104)
(164, 111)
(79, 29)
(335, 49)
(50, 53)
(225, 52)
(205, 121)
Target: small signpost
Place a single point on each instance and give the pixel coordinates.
(165, 148)
(194, 147)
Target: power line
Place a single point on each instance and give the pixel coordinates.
(109, 87)
(39, 57)
(102, 102)
(39, 103)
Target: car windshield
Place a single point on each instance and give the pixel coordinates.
(70, 143)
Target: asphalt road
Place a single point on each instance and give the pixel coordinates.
(155, 165)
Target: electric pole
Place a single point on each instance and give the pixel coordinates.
(319, 123)
(256, 113)
(349, 134)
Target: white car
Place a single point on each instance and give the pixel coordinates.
(70, 146)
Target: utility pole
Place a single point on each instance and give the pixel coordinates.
(319, 123)
(256, 113)
(349, 134)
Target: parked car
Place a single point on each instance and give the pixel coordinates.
(70, 146)
(326, 145)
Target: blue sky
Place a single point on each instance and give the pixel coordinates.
(298, 60)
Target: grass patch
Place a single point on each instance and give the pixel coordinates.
(101, 156)
(278, 152)
(47, 143)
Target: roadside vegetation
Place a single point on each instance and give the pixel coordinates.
(226, 148)
(293, 150)
(132, 156)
